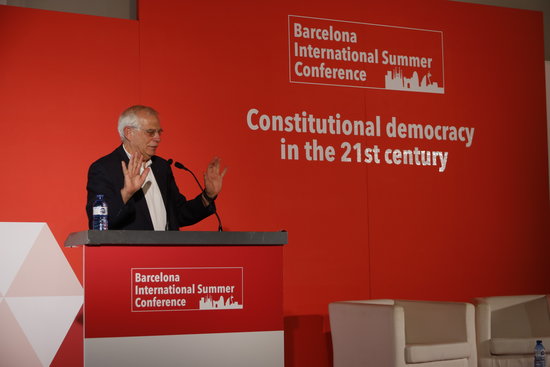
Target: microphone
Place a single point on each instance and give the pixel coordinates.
(181, 166)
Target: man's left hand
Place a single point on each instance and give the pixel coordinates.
(213, 178)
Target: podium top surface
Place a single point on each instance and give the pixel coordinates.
(174, 238)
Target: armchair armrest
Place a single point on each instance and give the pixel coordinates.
(483, 330)
(367, 334)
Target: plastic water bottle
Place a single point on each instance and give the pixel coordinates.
(540, 357)
(100, 212)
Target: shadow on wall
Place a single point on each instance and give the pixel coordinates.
(307, 341)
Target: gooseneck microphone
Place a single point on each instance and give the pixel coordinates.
(181, 166)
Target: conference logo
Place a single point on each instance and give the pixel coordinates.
(363, 55)
(184, 289)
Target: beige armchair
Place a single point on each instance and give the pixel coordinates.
(508, 327)
(394, 333)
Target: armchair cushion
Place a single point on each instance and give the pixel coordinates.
(509, 346)
(418, 353)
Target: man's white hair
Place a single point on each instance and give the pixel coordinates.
(130, 118)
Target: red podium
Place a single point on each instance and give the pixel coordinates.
(182, 298)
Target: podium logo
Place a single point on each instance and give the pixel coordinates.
(363, 55)
(184, 289)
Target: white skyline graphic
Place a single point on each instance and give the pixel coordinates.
(208, 303)
(395, 80)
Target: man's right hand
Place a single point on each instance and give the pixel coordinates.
(133, 180)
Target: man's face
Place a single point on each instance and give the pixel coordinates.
(146, 138)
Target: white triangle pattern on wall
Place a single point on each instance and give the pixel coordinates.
(40, 289)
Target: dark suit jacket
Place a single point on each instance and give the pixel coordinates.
(105, 177)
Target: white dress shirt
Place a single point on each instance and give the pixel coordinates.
(153, 197)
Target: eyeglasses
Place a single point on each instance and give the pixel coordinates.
(151, 132)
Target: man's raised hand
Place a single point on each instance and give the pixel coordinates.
(133, 180)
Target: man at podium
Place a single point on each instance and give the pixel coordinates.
(139, 187)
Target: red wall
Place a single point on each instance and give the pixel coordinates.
(63, 78)
(356, 230)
